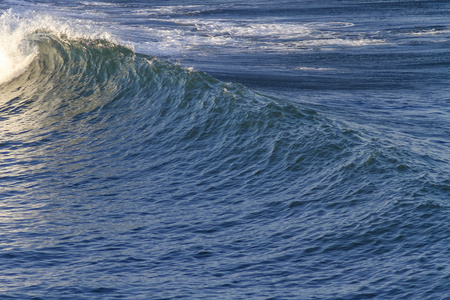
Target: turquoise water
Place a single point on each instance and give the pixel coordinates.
(198, 150)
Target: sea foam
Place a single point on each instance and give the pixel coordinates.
(16, 53)
(17, 43)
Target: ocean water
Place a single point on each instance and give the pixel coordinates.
(224, 149)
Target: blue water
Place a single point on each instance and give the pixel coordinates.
(224, 150)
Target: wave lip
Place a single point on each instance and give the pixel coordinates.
(18, 47)
(16, 52)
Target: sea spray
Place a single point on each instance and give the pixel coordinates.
(17, 43)
(16, 53)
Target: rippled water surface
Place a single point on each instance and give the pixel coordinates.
(224, 150)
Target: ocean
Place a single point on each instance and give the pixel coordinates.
(225, 149)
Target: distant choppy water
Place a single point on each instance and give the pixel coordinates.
(225, 150)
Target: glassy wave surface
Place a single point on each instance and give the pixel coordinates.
(225, 151)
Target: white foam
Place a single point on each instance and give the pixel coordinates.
(17, 48)
(432, 31)
(98, 3)
(224, 35)
(169, 10)
(253, 29)
(15, 52)
(313, 69)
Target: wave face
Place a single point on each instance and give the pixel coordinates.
(162, 177)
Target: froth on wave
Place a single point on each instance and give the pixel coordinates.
(251, 35)
(17, 39)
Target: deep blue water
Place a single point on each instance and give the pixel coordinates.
(225, 150)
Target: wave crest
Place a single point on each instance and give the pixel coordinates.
(16, 53)
(18, 39)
